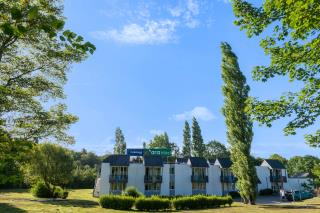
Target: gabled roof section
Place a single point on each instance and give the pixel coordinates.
(182, 160)
(223, 162)
(274, 164)
(198, 162)
(152, 160)
(117, 160)
(212, 161)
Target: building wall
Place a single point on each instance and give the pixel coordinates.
(104, 178)
(165, 180)
(214, 186)
(183, 185)
(263, 174)
(136, 173)
(295, 183)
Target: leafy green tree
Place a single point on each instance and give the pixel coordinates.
(298, 164)
(239, 126)
(160, 141)
(215, 149)
(36, 51)
(198, 146)
(49, 163)
(278, 157)
(120, 146)
(291, 31)
(186, 149)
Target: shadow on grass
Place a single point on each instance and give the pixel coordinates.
(275, 207)
(73, 203)
(5, 207)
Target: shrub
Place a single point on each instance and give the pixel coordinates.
(234, 194)
(201, 202)
(153, 203)
(116, 202)
(58, 192)
(266, 191)
(40, 189)
(132, 192)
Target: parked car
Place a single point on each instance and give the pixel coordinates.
(298, 195)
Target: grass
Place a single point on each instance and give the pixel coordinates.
(81, 200)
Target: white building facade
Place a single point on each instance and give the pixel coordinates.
(156, 175)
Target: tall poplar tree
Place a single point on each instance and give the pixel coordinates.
(186, 149)
(198, 146)
(120, 146)
(239, 125)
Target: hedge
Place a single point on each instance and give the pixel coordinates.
(153, 203)
(266, 191)
(41, 190)
(132, 192)
(201, 202)
(119, 202)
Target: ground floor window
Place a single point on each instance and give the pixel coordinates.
(152, 186)
(171, 185)
(198, 186)
(118, 186)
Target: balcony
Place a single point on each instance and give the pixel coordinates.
(199, 179)
(115, 192)
(228, 179)
(199, 191)
(278, 179)
(151, 192)
(153, 179)
(118, 178)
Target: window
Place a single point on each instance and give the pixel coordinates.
(171, 185)
(199, 171)
(152, 186)
(198, 186)
(171, 170)
(117, 186)
(119, 170)
(153, 171)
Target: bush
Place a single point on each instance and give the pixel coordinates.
(201, 202)
(266, 192)
(119, 202)
(234, 194)
(132, 192)
(40, 189)
(153, 203)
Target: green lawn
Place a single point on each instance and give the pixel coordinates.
(82, 201)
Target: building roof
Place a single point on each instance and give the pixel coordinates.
(117, 160)
(274, 164)
(182, 160)
(224, 162)
(212, 161)
(301, 175)
(198, 162)
(153, 160)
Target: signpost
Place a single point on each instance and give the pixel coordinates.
(165, 152)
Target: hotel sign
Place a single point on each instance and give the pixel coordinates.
(155, 151)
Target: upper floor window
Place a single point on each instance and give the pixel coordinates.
(153, 171)
(199, 171)
(119, 170)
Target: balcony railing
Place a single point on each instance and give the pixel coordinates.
(228, 179)
(153, 179)
(115, 192)
(278, 179)
(199, 191)
(151, 192)
(199, 179)
(118, 178)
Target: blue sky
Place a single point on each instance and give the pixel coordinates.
(157, 64)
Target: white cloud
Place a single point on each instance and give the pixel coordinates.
(156, 131)
(151, 32)
(198, 112)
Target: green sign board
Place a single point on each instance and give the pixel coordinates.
(158, 151)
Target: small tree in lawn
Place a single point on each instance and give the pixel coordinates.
(120, 146)
(186, 149)
(198, 146)
(239, 126)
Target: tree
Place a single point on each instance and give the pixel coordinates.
(35, 54)
(292, 30)
(283, 160)
(120, 146)
(186, 149)
(239, 125)
(298, 164)
(215, 149)
(49, 163)
(198, 146)
(160, 141)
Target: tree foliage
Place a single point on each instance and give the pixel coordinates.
(160, 141)
(198, 146)
(215, 149)
(278, 157)
(239, 126)
(36, 51)
(120, 145)
(292, 41)
(299, 164)
(186, 148)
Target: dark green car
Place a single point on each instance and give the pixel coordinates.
(299, 195)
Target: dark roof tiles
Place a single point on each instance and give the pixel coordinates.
(152, 160)
(225, 162)
(275, 164)
(198, 162)
(117, 160)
